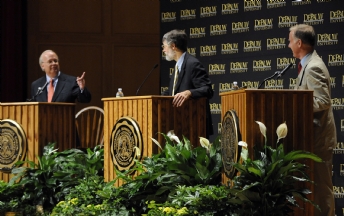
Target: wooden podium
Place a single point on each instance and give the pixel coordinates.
(274, 107)
(154, 115)
(42, 123)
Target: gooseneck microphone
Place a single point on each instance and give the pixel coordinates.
(155, 66)
(277, 73)
(39, 91)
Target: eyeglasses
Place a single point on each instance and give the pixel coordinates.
(163, 46)
(52, 61)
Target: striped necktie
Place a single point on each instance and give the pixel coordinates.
(175, 79)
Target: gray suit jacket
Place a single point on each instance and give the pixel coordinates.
(315, 76)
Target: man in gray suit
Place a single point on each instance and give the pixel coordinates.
(313, 75)
(56, 86)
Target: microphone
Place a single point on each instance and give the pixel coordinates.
(277, 73)
(39, 91)
(155, 66)
(284, 70)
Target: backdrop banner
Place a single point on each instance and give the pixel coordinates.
(247, 41)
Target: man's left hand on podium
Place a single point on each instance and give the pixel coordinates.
(180, 98)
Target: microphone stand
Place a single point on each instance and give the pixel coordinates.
(155, 66)
(39, 91)
(269, 78)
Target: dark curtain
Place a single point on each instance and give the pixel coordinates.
(13, 74)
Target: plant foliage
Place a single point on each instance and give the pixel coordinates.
(269, 184)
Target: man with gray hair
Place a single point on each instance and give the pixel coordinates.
(313, 75)
(56, 86)
(190, 79)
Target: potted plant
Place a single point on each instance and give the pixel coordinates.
(268, 184)
(56, 173)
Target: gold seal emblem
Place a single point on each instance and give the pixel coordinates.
(230, 135)
(13, 144)
(125, 136)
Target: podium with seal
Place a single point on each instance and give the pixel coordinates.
(25, 128)
(130, 122)
(272, 108)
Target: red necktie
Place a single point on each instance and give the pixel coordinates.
(299, 66)
(51, 90)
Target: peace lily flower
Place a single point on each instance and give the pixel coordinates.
(205, 143)
(137, 151)
(282, 131)
(156, 142)
(173, 136)
(262, 128)
(244, 150)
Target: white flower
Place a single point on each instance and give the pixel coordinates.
(242, 143)
(156, 142)
(137, 151)
(282, 131)
(262, 128)
(172, 136)
(205, 143)
(244, 150)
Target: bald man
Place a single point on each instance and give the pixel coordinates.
(56, 86)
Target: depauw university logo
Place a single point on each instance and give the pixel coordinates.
(252, 5)
(263, 24)
(304, 2)
(230, 8)
(197, 32)
(287, 21)
(274, 84)
(208, 11)
(168, 17)
(284, 61)
(292, 83)
(217, 69)
(208, 50)
(240, 27)
(275, 3)
(337, 103)
(238, 67)
(336, 16)
(252, 46)
(192, 51)
(327, 39)
(313, 18)
(275, 43)
(187, 14)
(229, 48)
(215, 108)
(218, 29)
(250, 84)
(335, 60)
(261, 65)
(333, 82)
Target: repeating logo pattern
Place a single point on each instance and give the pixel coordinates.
(247, 41)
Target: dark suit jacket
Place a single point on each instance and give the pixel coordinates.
(194, 77)
(66, 90)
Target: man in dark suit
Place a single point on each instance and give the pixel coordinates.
(190, 79)
(313, 75)
(58, 87)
